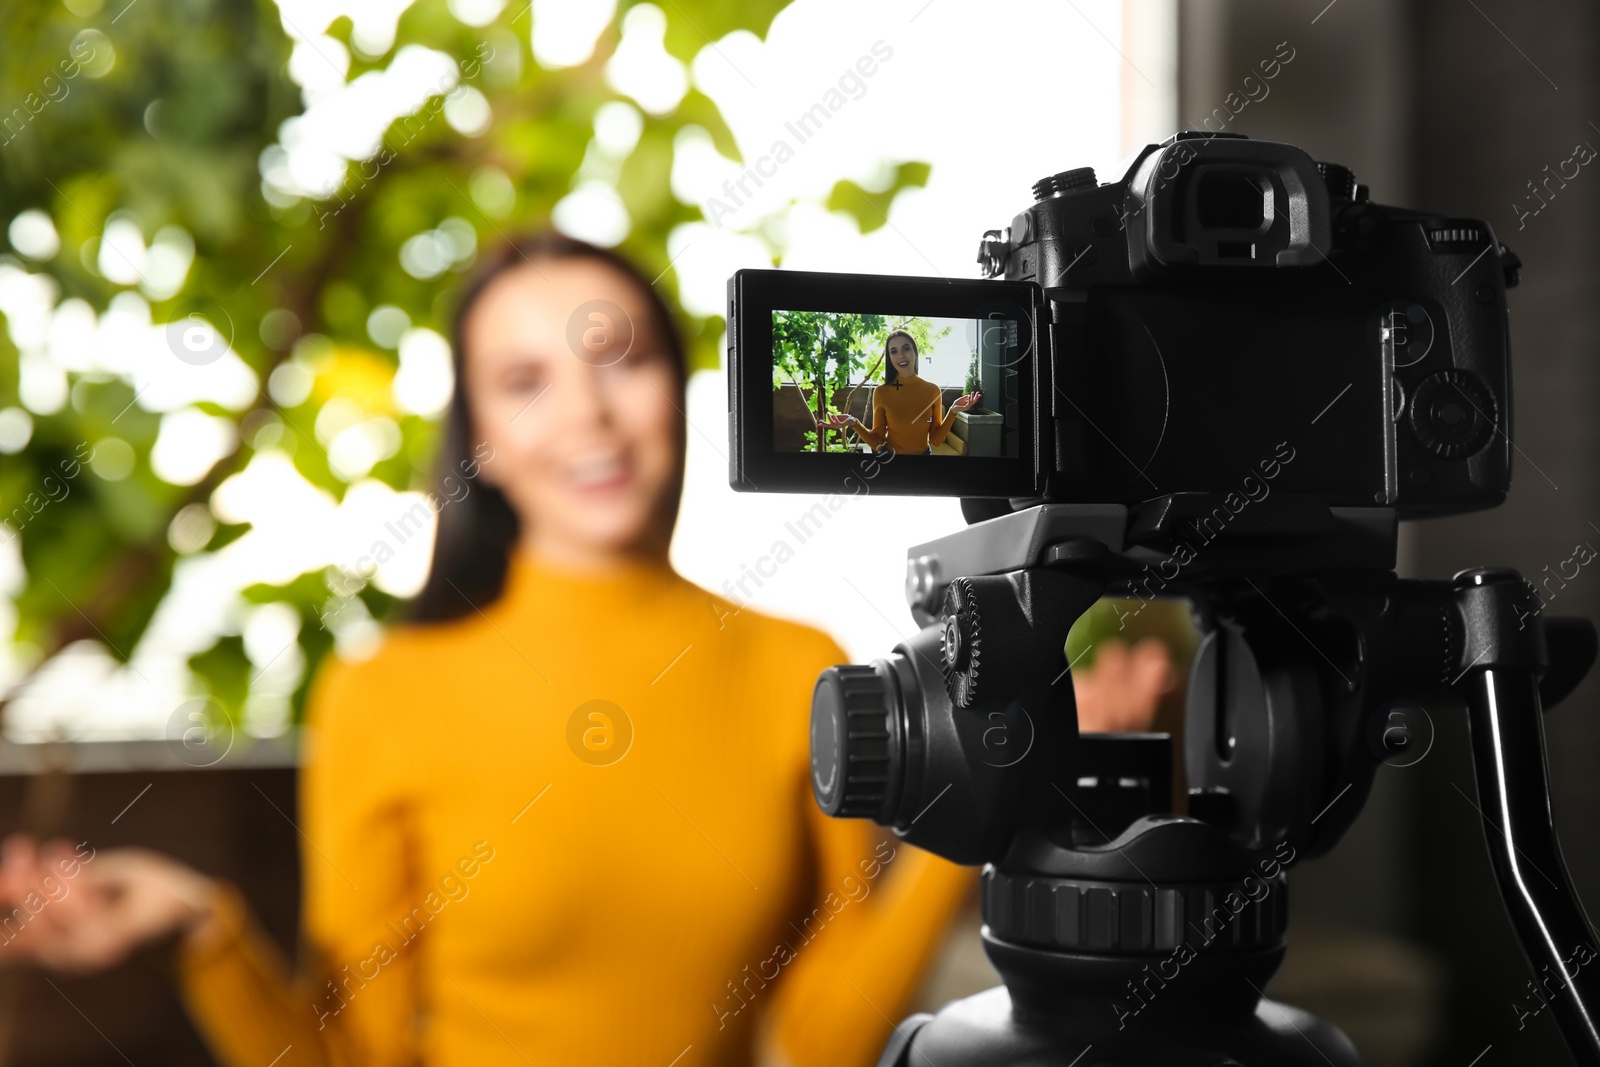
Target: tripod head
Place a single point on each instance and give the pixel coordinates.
(1097, 895)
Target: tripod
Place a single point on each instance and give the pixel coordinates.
(1126, 935)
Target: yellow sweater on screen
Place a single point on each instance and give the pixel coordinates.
(909, 414)
(577, 828)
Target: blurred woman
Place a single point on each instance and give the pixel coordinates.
(907, 411)
(564, 814)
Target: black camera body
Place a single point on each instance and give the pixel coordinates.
(1229, 320)
(1227, 295)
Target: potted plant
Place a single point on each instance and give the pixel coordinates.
(982, 428)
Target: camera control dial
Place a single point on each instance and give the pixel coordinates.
(1452, 414)
(1064, 182)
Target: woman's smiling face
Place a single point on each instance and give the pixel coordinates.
(584, 419)
(903, 353)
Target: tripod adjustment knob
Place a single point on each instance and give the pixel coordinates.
(963, 639)
(1119, 918)
(853, 741)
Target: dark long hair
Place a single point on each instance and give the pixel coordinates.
(891, 374)
(477, 531)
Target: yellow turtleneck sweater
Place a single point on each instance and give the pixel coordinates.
(909, 413)
(485, 882)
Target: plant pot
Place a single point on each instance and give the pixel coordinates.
(982, 430)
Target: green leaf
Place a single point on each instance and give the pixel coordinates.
(870, 208)
(692, 26)
(226, 670)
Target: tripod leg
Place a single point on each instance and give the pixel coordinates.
(1508, 758)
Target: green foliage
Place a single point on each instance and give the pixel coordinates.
(166, 125)
(821, 348)
(870, 207)
(226, 671)
(698, 24)
(823, 352)
(833, 441)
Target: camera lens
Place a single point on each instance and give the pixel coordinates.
(1230, 200)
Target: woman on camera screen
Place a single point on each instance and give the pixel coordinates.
(564, 814)
(907, 411)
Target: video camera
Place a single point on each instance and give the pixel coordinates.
(1163, 333)
(1225, 377)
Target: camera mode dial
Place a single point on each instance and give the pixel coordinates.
(1064, 182)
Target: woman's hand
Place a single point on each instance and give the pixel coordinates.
(966, 403)
(1121, 692)
(94, 917)
(835, 421)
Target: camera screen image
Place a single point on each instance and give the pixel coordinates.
(849, 382)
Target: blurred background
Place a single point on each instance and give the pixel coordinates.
(231, 233)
